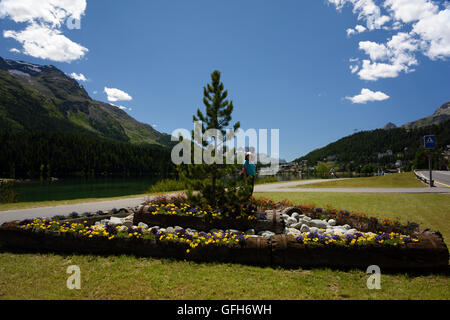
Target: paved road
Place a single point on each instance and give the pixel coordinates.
(65, 210)
(441, 178)
(287, 187)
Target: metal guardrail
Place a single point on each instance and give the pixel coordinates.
(423, 178)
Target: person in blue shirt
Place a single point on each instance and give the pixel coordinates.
(249, 170)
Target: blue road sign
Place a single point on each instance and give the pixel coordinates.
(430, 142)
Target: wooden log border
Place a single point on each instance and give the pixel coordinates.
(281, 250)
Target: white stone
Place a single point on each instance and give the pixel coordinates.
(297, 225)
(318, 223)
(346, 227)
(332, 222)
(170, 230)
(304, 228)
(314, 230)
(267, 234)
(295, 215)
(291, 231)
(290, 221)
(115, 221)
(250, 232)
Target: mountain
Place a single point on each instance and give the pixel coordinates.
(43, 98)
(442, 114)
(372, 146)
(389, 126)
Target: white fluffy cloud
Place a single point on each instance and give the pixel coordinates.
(78, 77)
(358, 29)
(368, 96)
(367, 11)
(429, 33)
(43, 37)
(117, 95)
(46, 43)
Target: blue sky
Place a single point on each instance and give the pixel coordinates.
(286, 64)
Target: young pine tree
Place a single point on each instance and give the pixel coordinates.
(215, 181)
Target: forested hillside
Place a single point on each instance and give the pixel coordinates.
(46, 154)
(363, 147)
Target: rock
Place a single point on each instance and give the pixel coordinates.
(234, 231)
(115, 221)
(314, 230)
(332, 222)
(318, 224)
(304, 228)
(291, 231)
(129, 218)
(295, 215)
(140, 208)
(170, 230)
(306, 218)
(290, 221)
(285, 216)
(162, 230)
(339, 230)
(250, 232)
(178, 229)
(351, 231)
(297, 225)
(346, 227)
(143, 225)
(267, 234)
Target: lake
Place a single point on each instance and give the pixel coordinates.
(86, 188)
(81, 188)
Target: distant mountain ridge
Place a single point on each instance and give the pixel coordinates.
(43, 98)
(440, 115)
(366, 146)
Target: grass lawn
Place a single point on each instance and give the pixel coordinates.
(400, 180)
(43, 276)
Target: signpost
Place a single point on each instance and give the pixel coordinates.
(430, 143)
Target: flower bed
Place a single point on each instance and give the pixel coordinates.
(52, 236)
(373, 242)
(428, 252)
(169, 212)
(358, 221)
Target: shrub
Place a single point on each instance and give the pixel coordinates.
(168, 185)
(7, 195)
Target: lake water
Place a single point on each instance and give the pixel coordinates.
(82, 188)
(69, 189)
